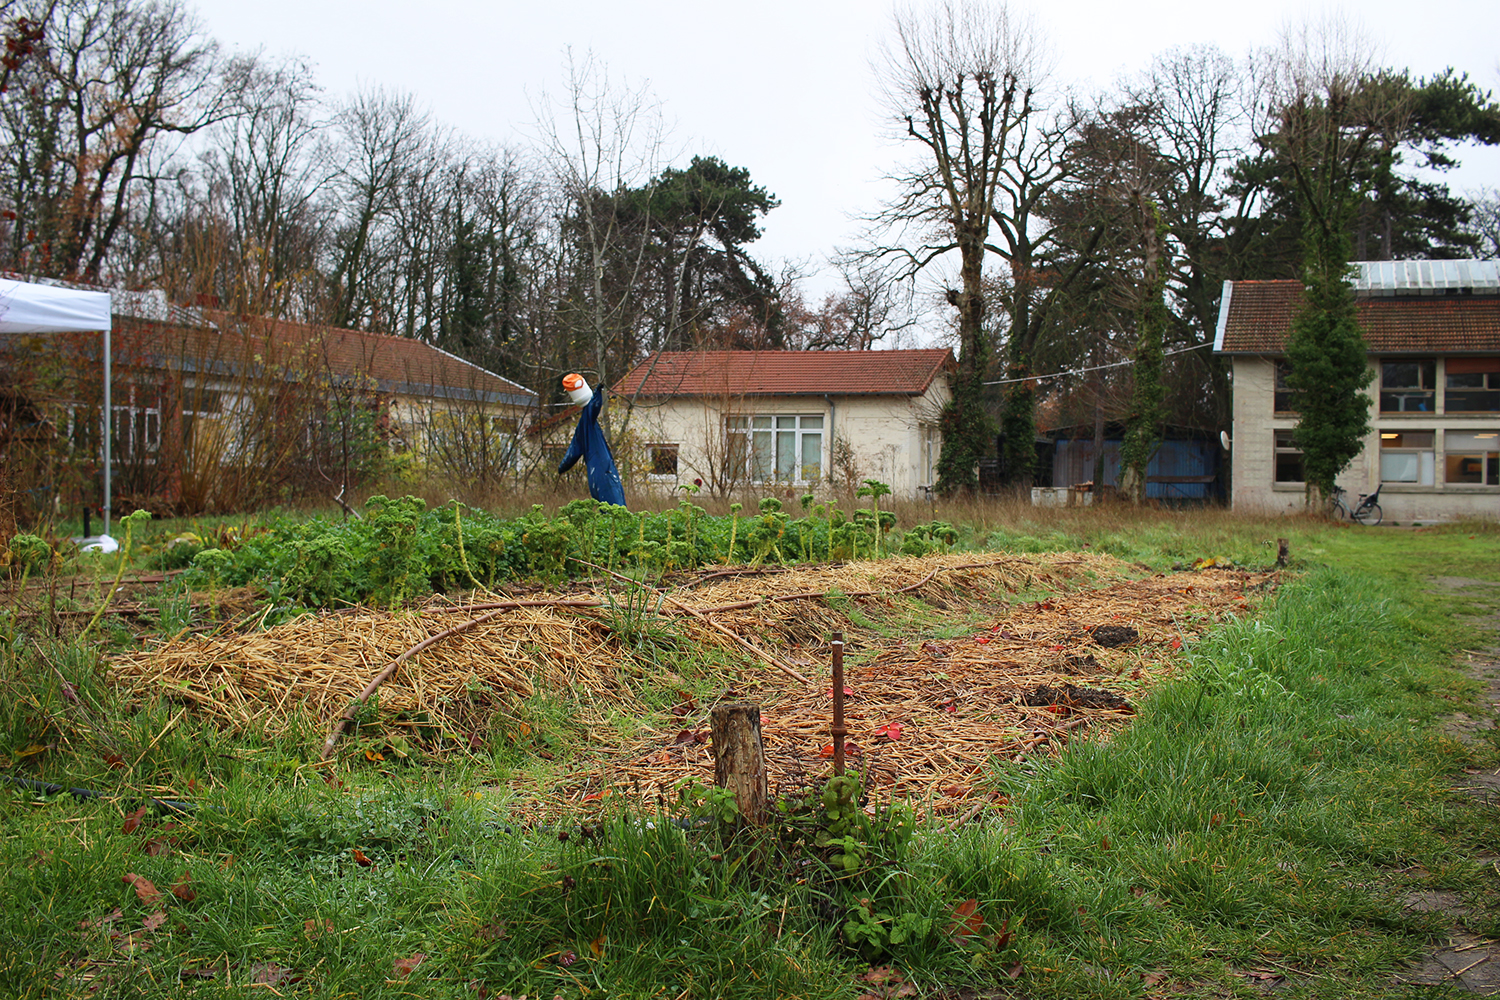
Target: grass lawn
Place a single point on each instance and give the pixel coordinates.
(1261, 823)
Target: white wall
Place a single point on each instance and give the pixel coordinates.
(884, 432)
(1253, 460)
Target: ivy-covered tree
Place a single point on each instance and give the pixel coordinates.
(960, 82)
(1329, 121)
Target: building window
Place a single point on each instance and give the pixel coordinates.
(1408, 385)
(1472, 385)
(1283, 391)
(1288, 459)
(663, 459)
(780, 449)
(1472, 457)
(1407, 457)
(932, 446)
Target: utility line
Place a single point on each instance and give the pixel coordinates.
(1095, 368)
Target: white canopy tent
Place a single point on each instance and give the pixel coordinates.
(29, 307)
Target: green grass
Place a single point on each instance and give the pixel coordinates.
(1266, 810)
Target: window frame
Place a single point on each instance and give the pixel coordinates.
(1426, 366)
(1484, 448)
(656, 449)
(1284, 447)
(759, 437)
(1426, 456)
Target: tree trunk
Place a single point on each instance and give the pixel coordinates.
(740, 759)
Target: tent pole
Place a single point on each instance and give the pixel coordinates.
(108, 420)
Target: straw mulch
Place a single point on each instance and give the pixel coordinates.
(977, 671)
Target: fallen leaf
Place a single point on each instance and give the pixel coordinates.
(312, 931)
(361, 858)
(1001, 939)
(1153, 978)
(374, 755)
(144, 890)
(493, 932)
(270, 974)
(1176, 644)
(158, 846)
(103, 921)
(154, 920)
(183, 888)
(848, 692)
(114, 760)
(890, 732)
(133, 820)
(597, 945)
(1057, 647)
(966, 920)
(31, 751)
(406, 966)
(1014, 972)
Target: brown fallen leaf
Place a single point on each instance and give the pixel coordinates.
(493, 932)
(103, 921)
(406, 966)
(271, 974)
(133, 820)
(966, 920)
(311, 929)
(183, 888)
(154, 920)
(363, 859)
(145, 891)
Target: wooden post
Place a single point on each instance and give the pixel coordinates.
(740, 757)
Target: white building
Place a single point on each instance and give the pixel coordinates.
(808, 420)
(1432, 329)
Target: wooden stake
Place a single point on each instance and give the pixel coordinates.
(740, 758)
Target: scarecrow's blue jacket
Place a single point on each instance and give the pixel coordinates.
(589, 445)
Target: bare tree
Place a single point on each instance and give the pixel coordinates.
(964, 80)
(383, 138)
(85, 114)
(601, 139)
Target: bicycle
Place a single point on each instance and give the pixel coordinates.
(1366, 512)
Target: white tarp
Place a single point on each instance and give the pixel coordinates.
(27, 307)
(30, 308)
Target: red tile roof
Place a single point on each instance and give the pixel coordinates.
(1259, 315)
(397, 364)
(786, 373)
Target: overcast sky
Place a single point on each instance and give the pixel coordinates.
(782, 87)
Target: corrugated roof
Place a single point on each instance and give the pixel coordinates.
(1255, 317)
(1426, 277)
(786, 373)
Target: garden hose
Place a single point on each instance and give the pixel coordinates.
(47, 788)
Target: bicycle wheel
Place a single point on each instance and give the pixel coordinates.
(1337, 510)
(1369, 514)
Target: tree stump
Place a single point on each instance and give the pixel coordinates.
(740, 758)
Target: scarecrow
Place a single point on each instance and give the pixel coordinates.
(589, 445)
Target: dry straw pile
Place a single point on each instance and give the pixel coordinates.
(978, 671)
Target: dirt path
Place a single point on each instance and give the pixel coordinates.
(1466, 958)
